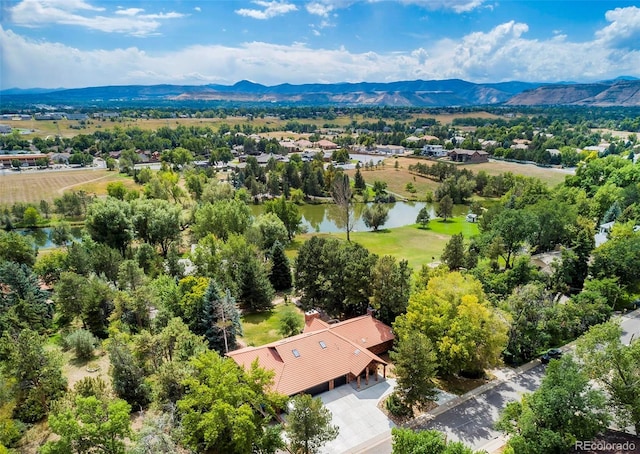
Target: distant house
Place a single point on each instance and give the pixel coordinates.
(326, 144)
(5, 129)
(472, 217)
(25, 159)
(436, 151)
(390, 149)
(324, 356)
(469, 156)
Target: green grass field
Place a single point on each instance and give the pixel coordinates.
(417, 245)
(262, 328)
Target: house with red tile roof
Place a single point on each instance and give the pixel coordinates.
(324, 355)
(326, 144)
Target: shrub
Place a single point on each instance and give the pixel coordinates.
(83, 343)
(396, 407)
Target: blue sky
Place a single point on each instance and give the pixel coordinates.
(79, 43)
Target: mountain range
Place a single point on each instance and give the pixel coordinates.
(623, 92)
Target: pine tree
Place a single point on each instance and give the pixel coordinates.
(220, 323)
(358, 181)
(280, 275)
(453, 254)
(256, 292)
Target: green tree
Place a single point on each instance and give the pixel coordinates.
(309, 425)
(37, 371)
(31, 217)
(222, 218)
(225, 408)
(220, 321)
(390, 288)
(445, 208)
(616, 367)
(565, 408)
(379, 190)
(280, 273)
(512, 227)
(290, 322)
(157, 222)
(117, 190)
(127, 378)
(375, 215)
(415, 366)
(266, 230)
(423, 217)
(288, 213)
(109, 221)
(61, 233)
(342, 195)
(90, 425)
(407, 441)
(17, 248)
(454, 313)
(453, 254)
(358, 181)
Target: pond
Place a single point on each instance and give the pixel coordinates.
(324, 218)
(42, 236)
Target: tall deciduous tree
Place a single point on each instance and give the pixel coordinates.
(564, 409)
(90, 424)
(407, 441)
(309, 425)
(225, 408)
(390, 288)
(109, 222)
(342, 194)
(222, 218)
(454, 313)
(616, 367)
(288, 213)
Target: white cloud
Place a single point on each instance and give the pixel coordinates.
(499, 54)
(624, 28)
(129, 11)
(458, 6)
(197, 8)
(271, 9)
(324, 7)
(38, 13)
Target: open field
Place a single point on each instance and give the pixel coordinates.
(66, 128)
(33, 185)
(397, 179)
(550, 176)
(418, 246)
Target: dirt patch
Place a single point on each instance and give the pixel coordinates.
(77, 370)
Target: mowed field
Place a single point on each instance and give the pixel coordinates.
(33, 185)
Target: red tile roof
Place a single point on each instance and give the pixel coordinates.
(320, 354)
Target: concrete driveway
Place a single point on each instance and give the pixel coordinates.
(357, 415)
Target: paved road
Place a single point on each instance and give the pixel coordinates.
(472, 421)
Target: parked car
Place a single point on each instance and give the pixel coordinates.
(552, 353)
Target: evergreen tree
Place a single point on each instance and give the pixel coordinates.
(256, 292)
(423, 217)
(280, 275)
(127, 377)
(220, 323)
(445, 208)
(358, 181)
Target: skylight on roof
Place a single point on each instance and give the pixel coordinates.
(357, 351)
(322, 344)
(296, 353)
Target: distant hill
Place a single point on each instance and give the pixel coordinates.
(623, 91)
(619, 92)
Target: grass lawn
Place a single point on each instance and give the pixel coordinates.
(262, 327)
(417, 245)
